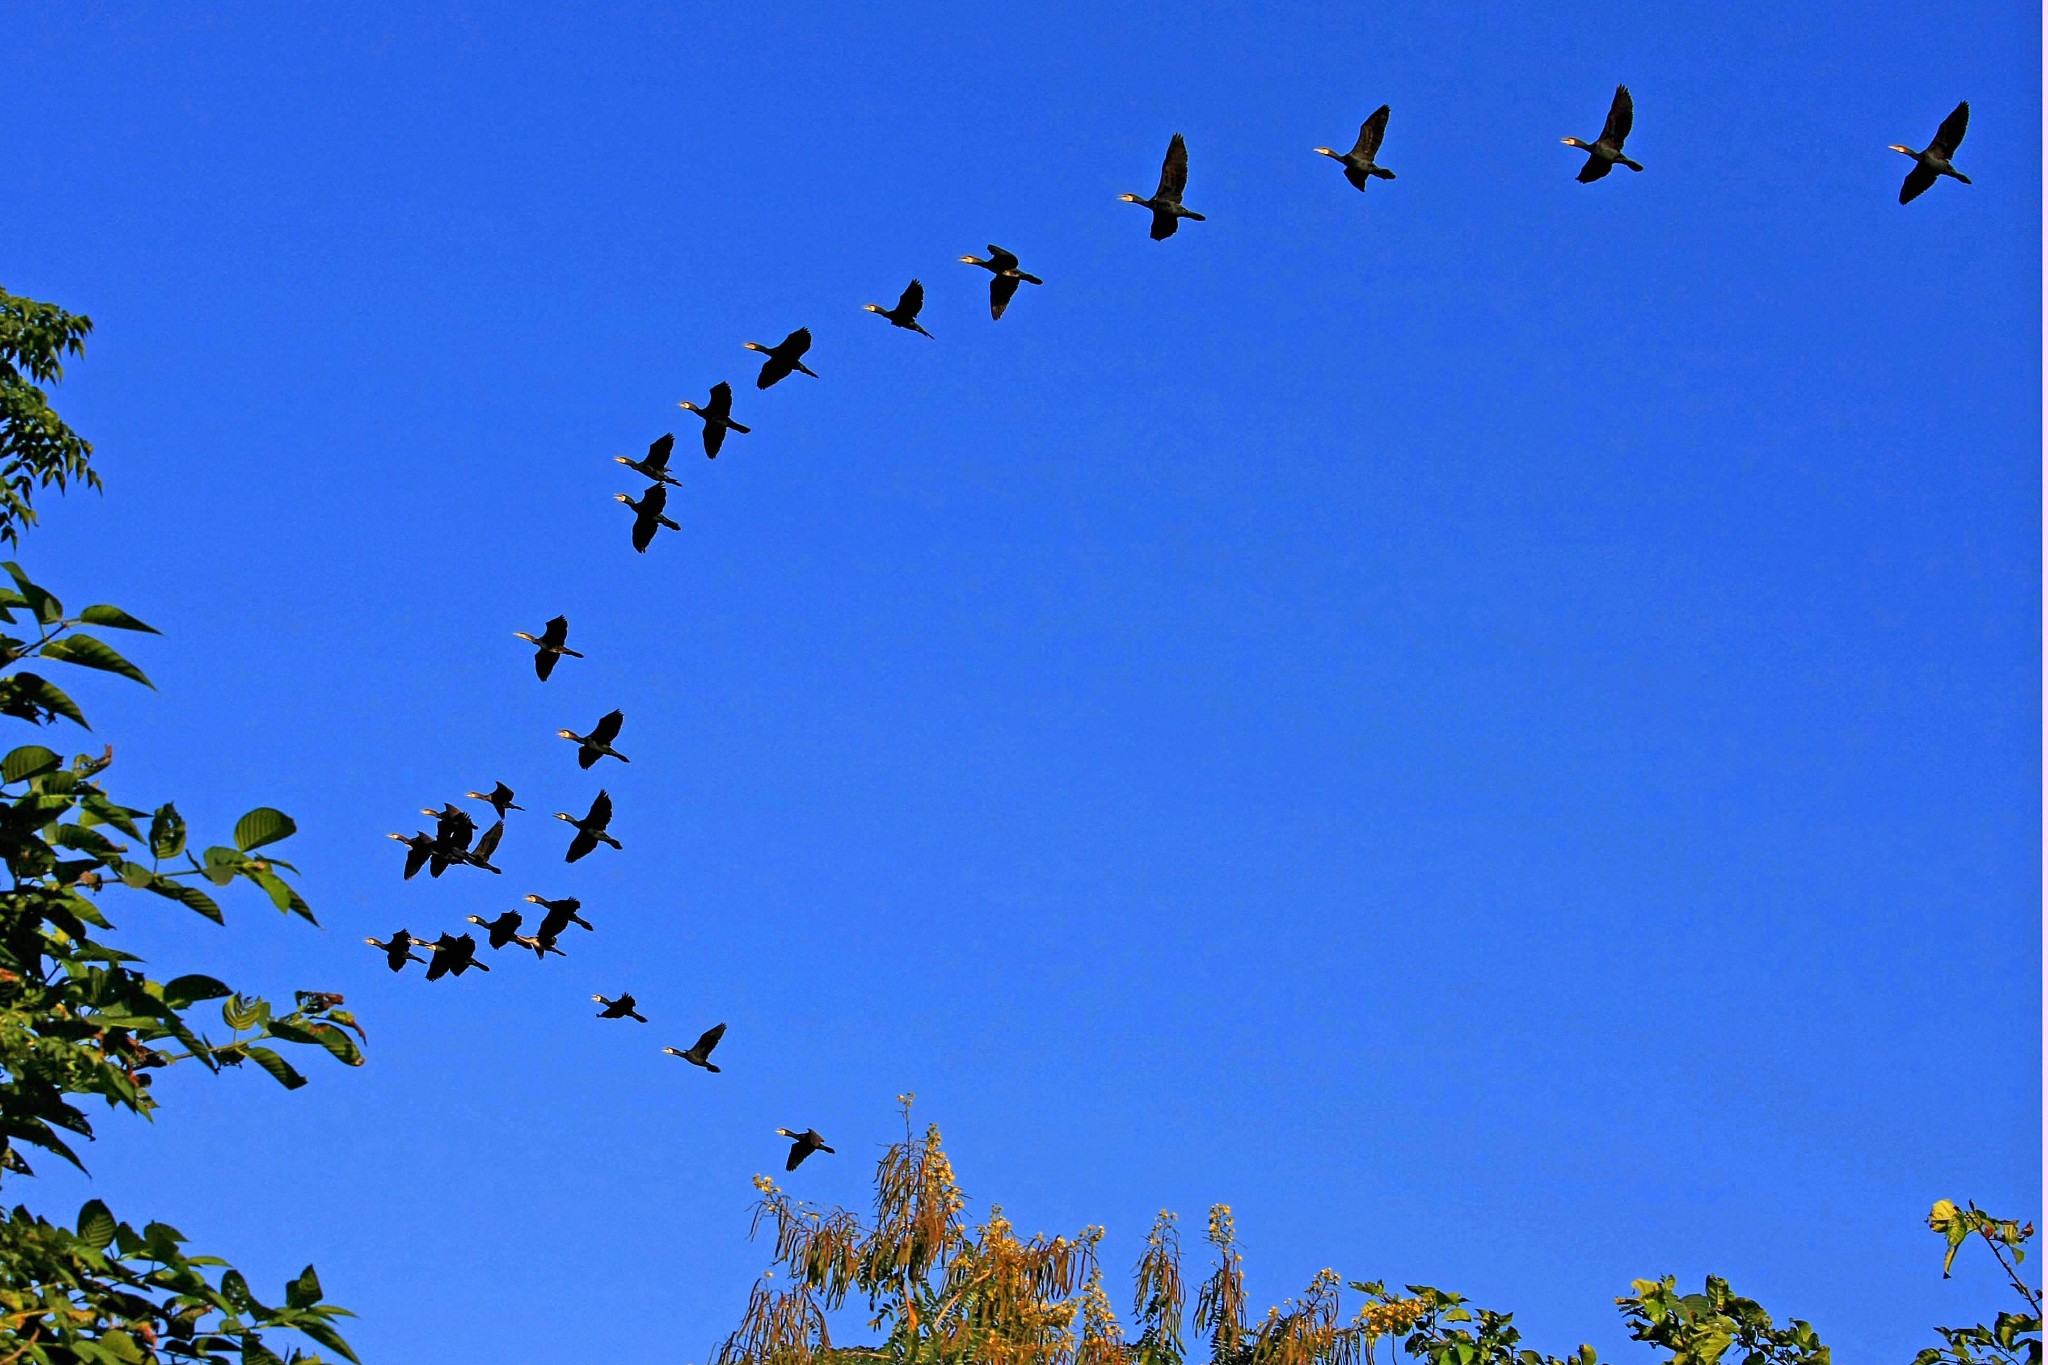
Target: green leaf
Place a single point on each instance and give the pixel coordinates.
(34, 698)
(89, 651)
(44, 604)
(28, 761)
(241, 1012)
(167, 832)
(263, 826)
(114, 618)
(189, 896)
(304, 1292)
(96, 1225)
(181, 991)
(277, 1066)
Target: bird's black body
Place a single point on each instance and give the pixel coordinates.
(551, 644)
(904, 314)
(498, 798)
(1358, 163)
(453, 953)
(1605, 154)
(560, 914)
(598, 743)
(1003, 288)
(785, 357)
(398, 951)
(625, 1007)
(806, 1142)
(717, 416)
(649, 513)
(1167, 210)
(1932, 164)
(590, 829)
(655, 466)
(502, 930)
(419, 851)
(699, 1052)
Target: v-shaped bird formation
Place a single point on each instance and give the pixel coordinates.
(456, 841)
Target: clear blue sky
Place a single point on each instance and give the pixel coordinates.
(1492, 724)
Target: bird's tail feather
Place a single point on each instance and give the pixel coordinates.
(740, 429)
(1383, 173)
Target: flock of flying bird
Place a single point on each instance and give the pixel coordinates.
(455, 841)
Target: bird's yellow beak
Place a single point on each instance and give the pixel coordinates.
(686, 403)
(871, 307)
(1324, 151)
(1895, 147)
(969, 260)
(1128, 198)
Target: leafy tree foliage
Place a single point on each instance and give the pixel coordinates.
(939, 1292)
(80, 1017)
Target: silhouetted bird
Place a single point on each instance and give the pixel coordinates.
(453, 953)
(542, 945)
(699, 1053)
(502, 930)
(1167, 210)
(904, 314)
(498, 798)
(807, 1142)
(598, 743)
(649, 514)
(1601, 156)
(560, 915)
(551, 644)
(453, 828)
(655, 466)
(1003, 287)
(621, 1008)
(1358, 162)
(717, 415)
(784, 357)
(398, 951)
(480, 855)
(420, 849)
(1932, 164)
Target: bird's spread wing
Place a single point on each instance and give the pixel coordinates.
(912, 301)
(488, 844)
(1594, 169)
(714, 437)
(600, 810)
(1371, 133)
(709, 1040)
(1173, 175)
(720, 405)
(1621, 117)
(1918, 180)
(796, 343)
(1951, 133)
(557, 633)
(1164, 225)
(1001, 290)
(1355, 176)
(1000, 259)
(607, 728)
(657, 453)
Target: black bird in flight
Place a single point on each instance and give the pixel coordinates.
(453, 829)
(453, 953)
(551, 644)
(590, 830)
(419, 851)
(398, 951)
(598, 743)
(699, 1053)
(621, 1008)
(1932, 164)
(502, 930)
(784, 358)
(655, 466)
(1167, 210)
(1358, 162)
(498, 798)
(904, 314)
(560, 915)
(717, 415)
(807, 1142)
(1601, 156)
(1003, 287)
(650, 513)
(480, 855)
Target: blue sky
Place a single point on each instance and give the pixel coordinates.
(1491, 724)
